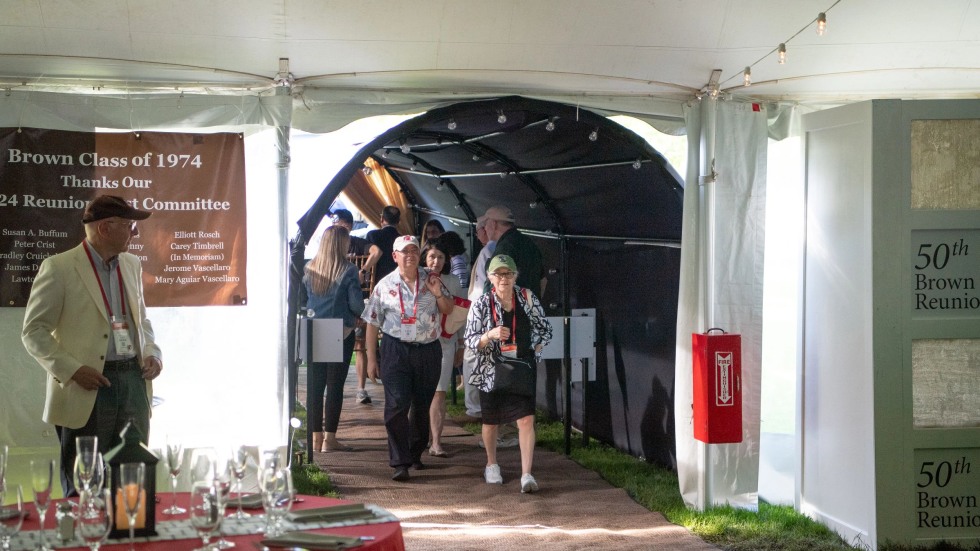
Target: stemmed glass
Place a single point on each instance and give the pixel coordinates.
(95, 516)
(11, 516)
(239, 465)
(131, 494)
(204, 511)
(86, 461)
(42, 475)
(277, 497)
(205, 503)
(173, 460)
(222, 486)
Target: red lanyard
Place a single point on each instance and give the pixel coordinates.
(415, 307)
(513, 320)
(122, 293)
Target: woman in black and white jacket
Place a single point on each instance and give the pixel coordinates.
(506, 322)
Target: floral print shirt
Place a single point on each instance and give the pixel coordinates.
(384, 307)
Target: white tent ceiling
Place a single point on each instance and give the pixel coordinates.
(662, 48)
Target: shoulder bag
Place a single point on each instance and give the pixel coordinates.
(514, 376)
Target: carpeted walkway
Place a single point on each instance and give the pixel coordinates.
(448, 506)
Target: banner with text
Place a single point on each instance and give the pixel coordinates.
(193, 247)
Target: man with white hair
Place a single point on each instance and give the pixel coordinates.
(501, 227)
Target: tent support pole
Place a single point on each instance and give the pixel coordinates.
(709, 106)
(282, 170)
(566, 361)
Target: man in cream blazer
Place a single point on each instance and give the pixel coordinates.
(88, 330)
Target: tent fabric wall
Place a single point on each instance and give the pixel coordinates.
(730, 298)
(213, 113)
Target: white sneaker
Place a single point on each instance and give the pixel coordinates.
(363, 397)
(492, 474)
(528, 484)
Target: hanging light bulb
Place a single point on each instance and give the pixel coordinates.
(405, 148)
(747, 76)
(501, 117)
(550, 126)
(366, 170)
(452, 124)
(503, 174)
(637, 164)
(459, 206)
(534, 204)
(384, 154)
(441, 186)
(594, 135)
(476, 158)
(781, 53)
(821, 24)
(415, 164)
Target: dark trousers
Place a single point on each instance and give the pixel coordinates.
(124, 401)
(410, 374)
(330, 376)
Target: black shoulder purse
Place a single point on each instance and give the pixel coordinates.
(514, 376)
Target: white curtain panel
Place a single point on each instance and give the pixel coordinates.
(719, 474)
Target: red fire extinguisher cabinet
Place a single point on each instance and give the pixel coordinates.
(717, 387)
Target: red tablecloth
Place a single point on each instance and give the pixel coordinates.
(387, 535)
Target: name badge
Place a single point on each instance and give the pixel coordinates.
(120, 335)
(409, 329)
(509, 350)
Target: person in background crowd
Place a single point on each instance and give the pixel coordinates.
(508, 317)
(382, 239)
(332, 291)
(86, 324)
(434, 256)
(431, 230)
(459, 265)
(358, 247)
(511, 242)
(478, 277)
(404, 308)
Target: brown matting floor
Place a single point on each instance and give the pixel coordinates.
(448, 506)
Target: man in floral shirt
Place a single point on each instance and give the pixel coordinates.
(404, 308)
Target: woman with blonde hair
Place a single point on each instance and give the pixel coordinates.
(332, 291)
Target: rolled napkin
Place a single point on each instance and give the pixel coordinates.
(249, 501)
(334, 513)
(310, 540)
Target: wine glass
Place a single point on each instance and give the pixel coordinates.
(173, 460)
(204, 511)
(11, 516)
(95, 516)
(42, 474)
(239, 465)
(277, 497)
(222, 486)
(86, 450)
(132, 494)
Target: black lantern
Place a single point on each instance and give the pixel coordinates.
(131, 450)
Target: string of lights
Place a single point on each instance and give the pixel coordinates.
(820, 23)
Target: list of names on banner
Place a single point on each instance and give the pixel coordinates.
(192, 247)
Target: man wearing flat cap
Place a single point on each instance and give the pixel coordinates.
(501, 227)
(86, 325)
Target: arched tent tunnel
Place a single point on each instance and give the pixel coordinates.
(601, 204)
